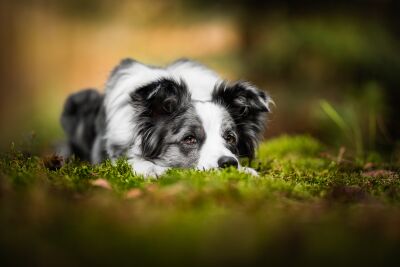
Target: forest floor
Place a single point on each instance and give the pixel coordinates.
(308, 206)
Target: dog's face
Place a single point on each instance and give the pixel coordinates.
(175, 131)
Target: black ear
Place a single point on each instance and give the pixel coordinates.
(248, 107)
(160, 98)
(155, 103)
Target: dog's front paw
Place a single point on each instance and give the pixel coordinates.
(249, 171)
(155, 171)
(148, 169)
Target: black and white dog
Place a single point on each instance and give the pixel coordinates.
(182, 115)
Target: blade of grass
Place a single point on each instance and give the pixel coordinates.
(334, 116)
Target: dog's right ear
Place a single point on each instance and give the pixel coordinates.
(161, 98)
(154, 103)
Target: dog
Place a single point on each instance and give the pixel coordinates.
(182, 115)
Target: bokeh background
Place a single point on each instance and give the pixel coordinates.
(332, 67)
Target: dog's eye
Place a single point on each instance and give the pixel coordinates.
(189, 140)
(230, 138)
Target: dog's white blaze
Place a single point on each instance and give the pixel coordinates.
(211, 116)
(200, 80)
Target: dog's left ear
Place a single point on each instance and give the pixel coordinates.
(248, 107)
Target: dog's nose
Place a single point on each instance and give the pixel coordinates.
(225, 162)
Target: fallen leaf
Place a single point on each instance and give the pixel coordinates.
(152, 188)
(103, 183)
(133, 193)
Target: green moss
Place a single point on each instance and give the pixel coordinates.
(290, 146)
(303, 202)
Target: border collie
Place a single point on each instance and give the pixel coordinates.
(182, 115)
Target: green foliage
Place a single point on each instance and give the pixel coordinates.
(327, 208)
(359, 125)
(286, 146)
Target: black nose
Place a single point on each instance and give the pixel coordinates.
(225, 162)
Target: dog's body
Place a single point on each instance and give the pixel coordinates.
(183, 115)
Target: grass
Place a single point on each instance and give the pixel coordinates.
(307, 207)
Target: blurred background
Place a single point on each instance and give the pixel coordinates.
(332, 67)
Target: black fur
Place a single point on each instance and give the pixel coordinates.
(248, 112)
(82, 120)
(157, 104)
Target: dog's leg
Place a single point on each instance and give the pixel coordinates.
(146, 168)
(79, 121)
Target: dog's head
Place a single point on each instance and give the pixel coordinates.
(176, 131)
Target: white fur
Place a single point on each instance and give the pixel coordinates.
(119, 111)
(211, 116)
(146, 168)
(120, 124)
(200, 80)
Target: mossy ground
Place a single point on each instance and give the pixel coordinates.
(307, 207)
